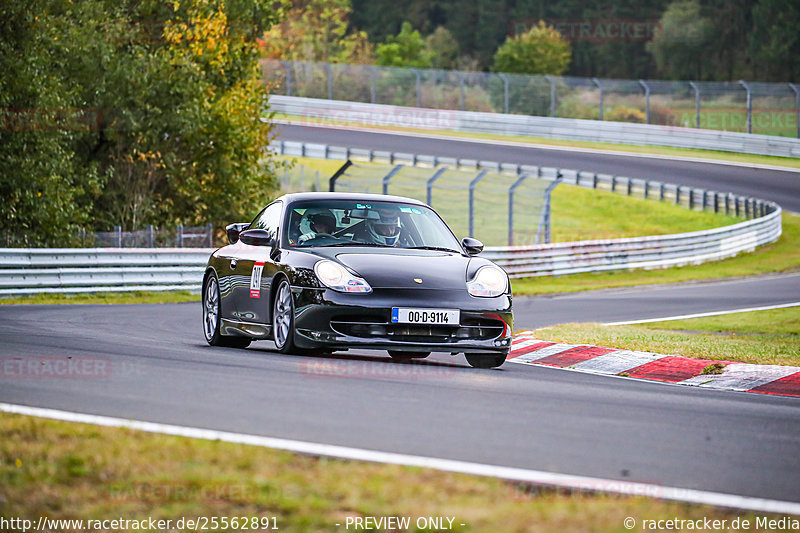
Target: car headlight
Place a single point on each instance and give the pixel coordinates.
(488, 281)
(336, 277)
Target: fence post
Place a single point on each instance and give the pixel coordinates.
(329, 74)
(552, 94)
(150, 236)
(418, 85)
(461, 89)
(210, 233)
(544, 220)
(749, 106)
(511, 208)
(288, 68)
(505, 91)
(429, 185)
(597, 82)
(345, 166)
(371, 84)
(389, 176)
(694, 86)
(118, 231)
(472, 186)
(646, 101)
(796, 107)
(179, 236)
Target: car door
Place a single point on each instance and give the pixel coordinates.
(255, 263)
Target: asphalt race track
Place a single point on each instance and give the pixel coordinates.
(152, 364)
(160, 369)
(776, 185)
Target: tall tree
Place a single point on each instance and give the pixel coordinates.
(775, 41)
(682, 44)
(317, 30)
(406, 49)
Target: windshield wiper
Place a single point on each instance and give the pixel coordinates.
(437, 248)
(338, 244)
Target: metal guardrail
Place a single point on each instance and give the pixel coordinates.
(73, 270)
(342, 112)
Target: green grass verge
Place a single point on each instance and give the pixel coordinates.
(78, 471)
(781, 256)
(133, 297)
(761, 337)
(790, 162)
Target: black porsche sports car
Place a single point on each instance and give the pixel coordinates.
(331, 271)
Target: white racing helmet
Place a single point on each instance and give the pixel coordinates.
(383, 225)
(316, 219)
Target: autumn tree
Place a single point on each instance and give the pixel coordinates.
(540, 50)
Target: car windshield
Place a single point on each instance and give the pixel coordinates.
(366, 223)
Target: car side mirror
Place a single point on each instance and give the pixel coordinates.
(257, 237)
(472, 246)
(233, 231)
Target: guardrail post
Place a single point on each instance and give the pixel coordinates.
(597, 82)
(677, 195)
(646, 101)
(505, 91)
(371, 84)
(749, 106)
(736, 200)
(796, 107)
(179, 235)
(691, 198)
(210, 233)
(705, 200)
(511, 208)
(646, 189)
(630, 186)
(472, 186)
(429, 184)
(288, 68)
(150, 236)
(661, 191)
(389, 176)
(552, 94)
(613, 183)
(728, 204)
(716, 202)
(694, 86)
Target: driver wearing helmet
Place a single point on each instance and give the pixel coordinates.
(322, 222)
(383, 226)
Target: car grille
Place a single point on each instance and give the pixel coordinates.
(369, 327)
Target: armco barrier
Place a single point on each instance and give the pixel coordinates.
(342, 112)
(72, 270)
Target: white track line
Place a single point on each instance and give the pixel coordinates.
(538, 477)
(522, 144)
(701, 315)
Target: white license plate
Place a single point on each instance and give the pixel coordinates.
(405, 315)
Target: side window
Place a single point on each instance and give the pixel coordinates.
(269, 219)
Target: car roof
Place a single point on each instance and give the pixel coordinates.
(352, 196)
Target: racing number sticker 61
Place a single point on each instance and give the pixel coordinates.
(255, 280)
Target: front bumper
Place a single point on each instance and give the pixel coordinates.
(326, 318)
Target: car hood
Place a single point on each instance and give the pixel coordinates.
(398, 270)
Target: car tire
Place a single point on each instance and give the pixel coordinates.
(398, 355)
(283, 318)
(485, 360)
(211, 318)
